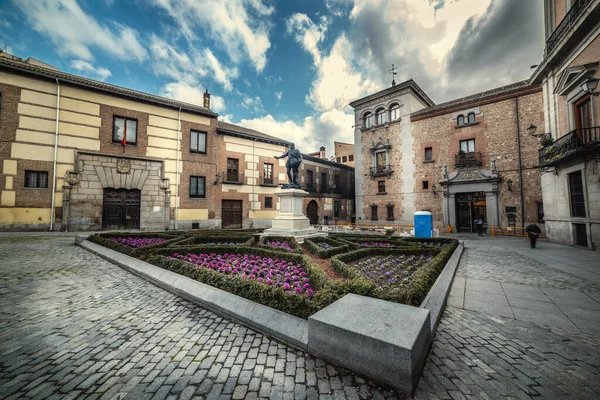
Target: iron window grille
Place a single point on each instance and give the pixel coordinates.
(36, 179)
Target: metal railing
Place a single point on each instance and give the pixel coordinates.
(463, 160)
(381, 170)
(566, 24)
(513, 231)
(310, 186)
(272, 181)
(574, 142)
(236, 179)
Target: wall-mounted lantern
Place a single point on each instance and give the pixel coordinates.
(433, 189)
(217, 178)
(509, 183)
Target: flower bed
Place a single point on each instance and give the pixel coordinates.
(218, 240)
(375, 244)
(325, 248)
(136, 242)
(279, 243)
(390, 270)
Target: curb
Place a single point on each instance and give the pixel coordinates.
(283, 327)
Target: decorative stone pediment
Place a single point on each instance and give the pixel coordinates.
(575, 76)
(464, 175)
(380, 145)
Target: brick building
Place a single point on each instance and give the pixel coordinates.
(80, 154)
(465, 159)
(344, 153)
(571, 164)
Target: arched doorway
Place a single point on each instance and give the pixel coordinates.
(312, 212)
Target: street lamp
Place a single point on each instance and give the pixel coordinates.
(509, 183)
(589, 86)
(433, 188)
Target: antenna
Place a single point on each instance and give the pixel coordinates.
(393, 73)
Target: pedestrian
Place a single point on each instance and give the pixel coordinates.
(479, 226)
(533, 232)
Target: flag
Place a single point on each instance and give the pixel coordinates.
(124, 141)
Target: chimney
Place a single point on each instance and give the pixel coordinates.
(206, 99)
(322, 152)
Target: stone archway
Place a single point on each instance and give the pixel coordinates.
(312, 212)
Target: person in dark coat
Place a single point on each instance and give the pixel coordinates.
(533, 232)
(479, 226)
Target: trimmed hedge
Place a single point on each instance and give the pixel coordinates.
(337, 247)
(223, 232)
(241, 240)
(290, 240)
(355, 242)
(421, 281)
(104, 239)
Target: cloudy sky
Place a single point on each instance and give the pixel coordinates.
(286, 67)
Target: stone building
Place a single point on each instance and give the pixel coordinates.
(570, 165)
(465, 159)
(344, 153)
(78, 154)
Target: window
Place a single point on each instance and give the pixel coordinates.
(583, 113)
(125, 129)
(36, 179)
(467, 146)
(460, 120)
(198, 142)
(380, 160)
(268, 202)
(232, 169)
(381, 187)
(380, 116)
(540, 211)
(197, 187)
(390, 212)
(368, 120)
(339, 159)
(336, 209)
(374, 212)
(323, 182)
(425, 185)
(351, 157)
(268, 173)
(345, 159)
(394, 112)
(576, 192)
(310, 180)
(471, 118)
(428, 153)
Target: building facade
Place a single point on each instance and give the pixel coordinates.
(344, 153)
(78, 154)
(571, 163)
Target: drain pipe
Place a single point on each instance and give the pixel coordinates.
(254, 180)
(52, 212)
(519, 163)
(177, 169)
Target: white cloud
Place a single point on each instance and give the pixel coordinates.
(241, 27)
(307, 33)
(88, 69)
(278, 95)
(253, 104)
(74, 32)
(191, 94)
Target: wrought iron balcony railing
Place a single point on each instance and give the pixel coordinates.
(576, 142)
(272, 181)
(463, 160)
(233, 178)
(381, 170)
(310, 187)
(566, 24)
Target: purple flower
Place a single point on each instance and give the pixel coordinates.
(138, 242)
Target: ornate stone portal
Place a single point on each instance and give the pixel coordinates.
(291, 221)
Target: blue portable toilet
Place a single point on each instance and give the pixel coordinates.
(423, 224)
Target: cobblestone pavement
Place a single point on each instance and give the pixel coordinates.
(75, 326)
(476, 355)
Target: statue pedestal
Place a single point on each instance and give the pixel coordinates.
(291, 221)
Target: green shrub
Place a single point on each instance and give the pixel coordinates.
(223, 232)
(289, 240)
(337, 247)
(240, 239)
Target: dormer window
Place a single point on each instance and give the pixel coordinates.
(471, 118)
(394, 112)
(380, 116)
(460, 120)
(368, 120)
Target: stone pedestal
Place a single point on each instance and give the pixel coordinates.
(291, 221)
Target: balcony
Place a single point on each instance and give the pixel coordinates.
(566, 24)
(270, 181)
(574, 144)
(465, 160)
(381, 170)
(310, 187)
(233, 178)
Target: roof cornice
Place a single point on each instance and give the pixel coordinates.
(409, 84)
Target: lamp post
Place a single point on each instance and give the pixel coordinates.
(590, 86)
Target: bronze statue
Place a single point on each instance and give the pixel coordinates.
(293, 163)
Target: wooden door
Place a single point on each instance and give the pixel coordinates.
(121, 209)
(312, 212)
(231, 214)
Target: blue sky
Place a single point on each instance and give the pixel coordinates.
(288, 68)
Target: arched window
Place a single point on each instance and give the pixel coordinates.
(394, 112)
(471, 117)
(380, 116)
(460, 120)
(368, 120)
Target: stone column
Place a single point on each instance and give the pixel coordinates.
(491, 203)
(66, 207)
(165, 185)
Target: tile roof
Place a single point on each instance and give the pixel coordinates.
(513, 87)
(29, 69)
(226, 127)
